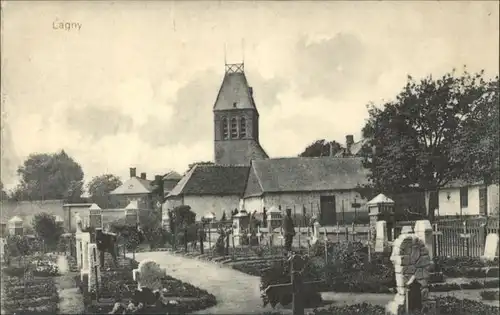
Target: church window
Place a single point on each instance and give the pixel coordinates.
(234, 128)
(243, 127)
(225, 128)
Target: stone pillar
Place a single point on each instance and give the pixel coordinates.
(423, 230)
(94, 276)
(132, 213)
(240, 224)
(381, 236)
(95, 216)
(274, 218)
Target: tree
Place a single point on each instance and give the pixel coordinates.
(3, 194)
(100, 187)
(47, 229)
(321, 148)
(414, 136)
(49, 176)
(190, 166)
(150, 223)
(478, 142)
(223, 218)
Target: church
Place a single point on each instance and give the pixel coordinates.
(243, 174)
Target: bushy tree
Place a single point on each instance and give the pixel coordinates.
(18, 246)
(49, 176)
(100, 187)
(47, 229)
(151, 225)
(415, 136)
(190, 166)
(321, 148)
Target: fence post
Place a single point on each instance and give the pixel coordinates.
(436, 233)
(185, 240)
(338, 231)
(325, 238)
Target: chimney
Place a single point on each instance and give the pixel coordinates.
(143, 175)
(132, 172)
(349, 141)
(158, 178)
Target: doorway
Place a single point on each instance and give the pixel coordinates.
(328, 214)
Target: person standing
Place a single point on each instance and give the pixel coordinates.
(288, 229)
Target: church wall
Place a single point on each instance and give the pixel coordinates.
(202, 205)
(311, 201)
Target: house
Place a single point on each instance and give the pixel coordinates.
(243, 172)
(461, 198)
(322, 186)
(209, 188)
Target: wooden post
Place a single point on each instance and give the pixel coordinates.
(185, 240)
(202, 234)
(210, 236)
(369, 245)
(232, 254)
(338, 232)
(226, 250)
(325, 238)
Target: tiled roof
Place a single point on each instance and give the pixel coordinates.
(212, 180)
(132, 186)
(234, 89)
(305, 174)
(239, 152)
(26, 210)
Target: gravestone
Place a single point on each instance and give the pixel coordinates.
(94, 276)
(424, 231)
(149, 275)
(491, 247)
(412, 262)
(85, 241)
(380, 236)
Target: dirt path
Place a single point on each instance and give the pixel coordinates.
(70, 298)
(235, 291)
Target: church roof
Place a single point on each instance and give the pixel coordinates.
(234, 91)
(212, 180)
(305, 174)
(133, 186)
(239, 152)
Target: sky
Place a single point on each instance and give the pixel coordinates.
(133, 83)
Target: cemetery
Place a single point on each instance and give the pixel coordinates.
(390, 271)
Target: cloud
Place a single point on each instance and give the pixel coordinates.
(334, 67)
(97, 122)
(191, 119)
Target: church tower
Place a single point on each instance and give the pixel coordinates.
(236, 120)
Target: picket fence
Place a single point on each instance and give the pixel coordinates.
(458, 237)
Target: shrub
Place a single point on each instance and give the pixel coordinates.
(466, 266)
(490, 295)
(447, 306)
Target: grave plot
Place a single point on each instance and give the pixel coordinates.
(107, 290)
(29, 295)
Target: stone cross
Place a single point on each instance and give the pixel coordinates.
(296, 285)
(380, 236)
(491, 247)
(149, 275)
(412, 262)
(94, 277)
